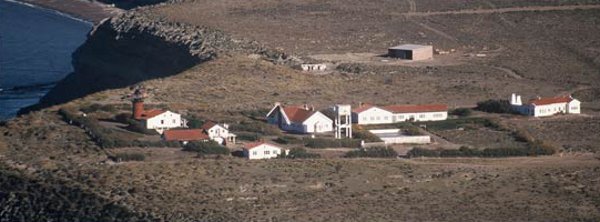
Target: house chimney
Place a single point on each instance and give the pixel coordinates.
(312, 108)
(519, 102)
(306, 106)
(513, 99)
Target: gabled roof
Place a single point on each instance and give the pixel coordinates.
(250, 146)
(185, 135)
(552, 100)
(208, 125)
(416, 108)
(297, 114)
(147, 114)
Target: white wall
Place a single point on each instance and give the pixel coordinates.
(217, 131)
(550, 109)
(318, 123)
(427, 116)
(574, 107)
(166, 120)
(374, 115)
(393, 136)
(264, 151)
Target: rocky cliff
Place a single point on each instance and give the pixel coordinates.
(134, 47)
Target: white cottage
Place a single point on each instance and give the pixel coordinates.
(161, 120)
(541, 107)
(299, 119)
(262, 150)
(369, 114)
(219, 132)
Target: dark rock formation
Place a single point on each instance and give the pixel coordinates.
(134, 47)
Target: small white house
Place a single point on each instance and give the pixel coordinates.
(369, 114)
(262, 150)
(161, 120)
(219, 132)
(541, 107)
(299, 119)
(314, 67)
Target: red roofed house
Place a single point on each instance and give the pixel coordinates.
(261, 150)
(185, 135)
(369, 114)
(218, 132)
(540, 107)
(299, 119)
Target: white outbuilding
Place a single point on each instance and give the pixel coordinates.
(411, 52)
(262, 150)
(218, 132)
(161, 120)
(541, 107)
(369, 114)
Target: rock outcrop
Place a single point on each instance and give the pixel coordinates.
(135, 47)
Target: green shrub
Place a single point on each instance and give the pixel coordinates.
(366, 136)
(412, 131)
(375, 152)
(300, 153)
(194, 122)
(206, 148)
(451, 124)
(256, 127)
(99, 107)
(123, 118)
(124, 157)
(536, 149)
(248, 136)
(289, 140)
(462, 112)
(495, 106)
(331, 143)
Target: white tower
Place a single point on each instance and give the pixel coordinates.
(343, 121)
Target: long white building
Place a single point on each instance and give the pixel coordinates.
(369, 114)
(541, 107)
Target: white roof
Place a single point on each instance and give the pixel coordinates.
(410, 47)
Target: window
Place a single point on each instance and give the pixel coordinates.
(378, 118)
(364, 118)
(372, 118)
(422, 116)
(173, 120)
(385, 118)
(253, 152)
(162, 121)
(267, 152)
(274, 151)
(401, 116)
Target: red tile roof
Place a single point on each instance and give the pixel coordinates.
(416, 108)
(185, 135)
(208, 125)
(362, 108)
(297, 114)
(147, 114)
(250, 146)
(546, 101)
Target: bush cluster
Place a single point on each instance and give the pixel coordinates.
(289, 140)
(495, 106)
(300, 153)
(462, 112)
(331, 143)
(375, 152)
(451, 124)
(248, 136)
(124, 157)
(206, 148)
(365, 135)
(255, 127)
(537, 149)
(135, 126)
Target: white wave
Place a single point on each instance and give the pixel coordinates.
(50, 10)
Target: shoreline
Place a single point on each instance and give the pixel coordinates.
(81, 10)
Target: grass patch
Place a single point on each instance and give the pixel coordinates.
(375, 152)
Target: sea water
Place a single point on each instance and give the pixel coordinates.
(35, 52)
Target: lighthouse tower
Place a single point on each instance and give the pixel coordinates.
(343, 121)
(137, 102)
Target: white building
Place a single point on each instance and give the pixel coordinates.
(541, 107)
(219, 132)
(369, 114)
(262, 150)
(161, 120)
(411, 52)
(299, 119)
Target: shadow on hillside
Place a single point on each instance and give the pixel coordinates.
(129, 4)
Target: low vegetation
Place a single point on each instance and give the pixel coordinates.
(375, 152)
(365, 135)
(300, 153)
(124, 157)
(331, 143)
(461, 112)
(206, 148)
(495, 106)
(466, 123)
(536, 149)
